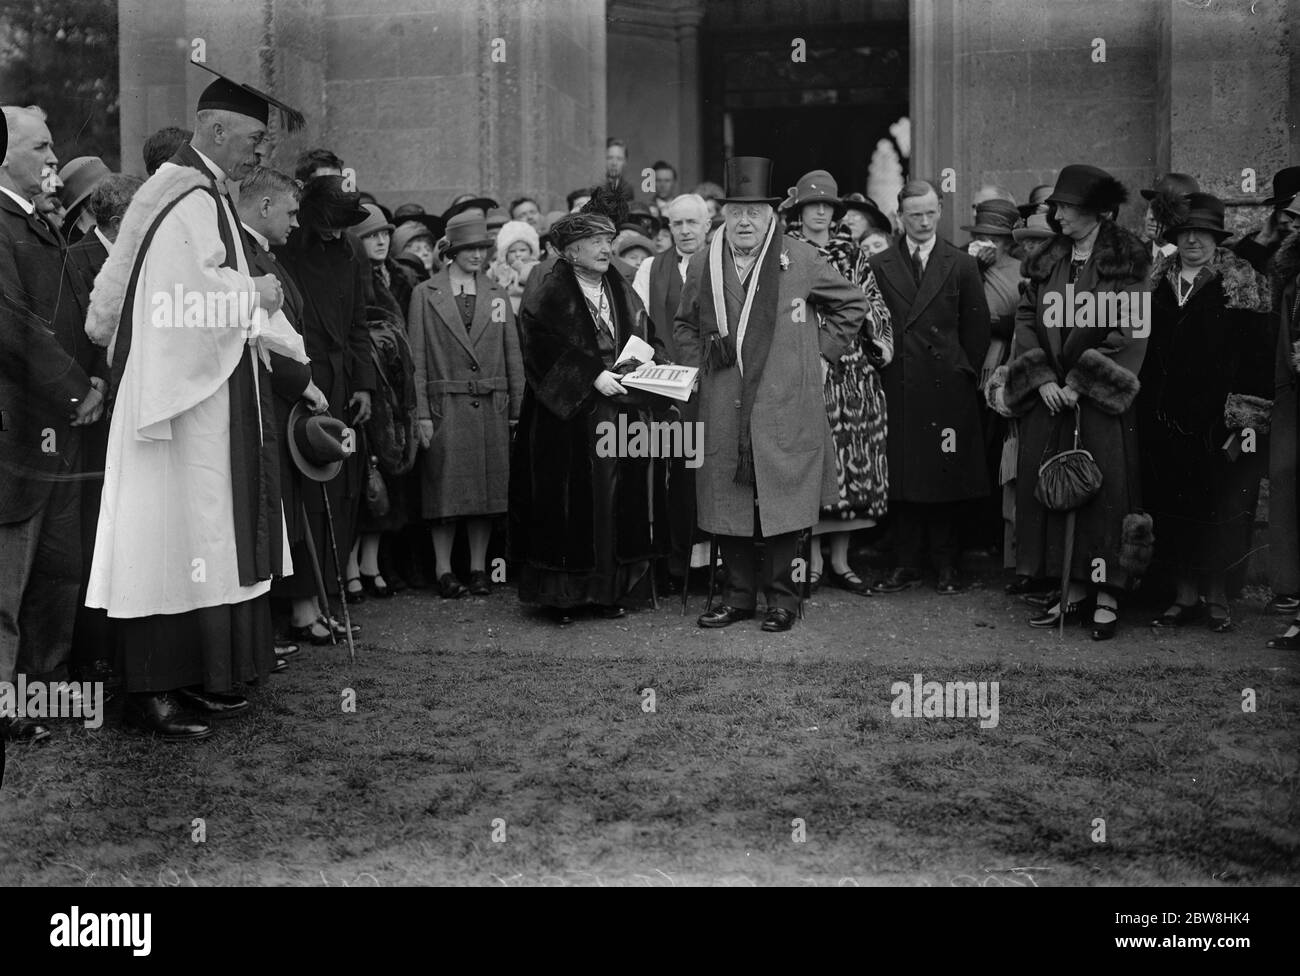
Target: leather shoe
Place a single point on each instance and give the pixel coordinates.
(450, 588)
(162, 714)
(723, 616)
(560, 616)
(1023, 583)
(850, 581)
(283, 649)
(375, 585)
(613, 611)
(1042, 601)
(480, 584)
(949, 583)
(212, 703)
(22, 730)
(777, 620)
(897, 581)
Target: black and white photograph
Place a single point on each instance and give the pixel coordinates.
(651, 443)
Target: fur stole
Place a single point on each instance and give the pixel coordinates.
(1243, 287)
(161, 189)
(1241, 410)
(1118, 254)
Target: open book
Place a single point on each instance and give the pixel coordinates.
(674, 382)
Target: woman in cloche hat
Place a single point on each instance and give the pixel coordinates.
(855, 399)
(1207, 377)
(469, 382)
(1064, 363)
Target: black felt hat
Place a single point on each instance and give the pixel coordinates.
(1179, 183)
(1089, 187)
(1204, 212)
(1286, 184)
(325, 205)
(229, 95)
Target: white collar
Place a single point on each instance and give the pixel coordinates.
(266, 244)
(217, 171)
(28, 207)
(925, 248)
(108, 245)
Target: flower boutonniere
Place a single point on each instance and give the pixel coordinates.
(785, 260)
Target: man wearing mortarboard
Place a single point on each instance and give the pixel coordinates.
(190, 526)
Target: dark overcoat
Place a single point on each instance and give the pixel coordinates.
(818, 315)
(941, 334)
(470, 384)
(552, 470)
(1102, 366)
(1284, 437)
(46, 360)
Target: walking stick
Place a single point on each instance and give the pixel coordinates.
(321, 595)
(1065, 568)
(338, 568)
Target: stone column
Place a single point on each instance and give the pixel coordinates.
(689, 170)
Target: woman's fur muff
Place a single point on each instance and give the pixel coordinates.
(1110, 387)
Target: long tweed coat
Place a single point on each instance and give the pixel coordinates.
(1102, 366)
(470, 383)
(794, 455)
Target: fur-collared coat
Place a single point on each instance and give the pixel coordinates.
(1284, 497)
(1207, 373)
(553, 463)
(1101, 366)
(469, 383)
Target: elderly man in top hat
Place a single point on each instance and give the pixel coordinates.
(761, 314)
(189, 528)
(1258, 247)
(941, 335)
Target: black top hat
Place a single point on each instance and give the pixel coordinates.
(815, 187)
(994, 217)
(1286, 184)
(316, 443)
(1171, 183)
(467, 230)
(1204, 212)
(1089, 187)
(325, 205)
(467, 200)
(749, 180)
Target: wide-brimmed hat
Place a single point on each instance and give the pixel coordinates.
(575, 226)
(373, 223)
(1286, 184)
(464, 202)
(316, 443)
(1036, 228)
(1179, 183)
(80, 176)
(749, 180)
(994, 217)
(1204, 212)
(867, 207)
(467, 230)
(1042, 192)
(326, 205)
(815, 187)
(432, 222)
(1293, 207)
(1089, 187)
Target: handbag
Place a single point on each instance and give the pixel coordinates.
(1070, 479)
(376, 489)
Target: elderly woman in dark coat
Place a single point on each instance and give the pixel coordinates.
(1206, 383)
(469, 382)
(1065, 362)
(580, 523)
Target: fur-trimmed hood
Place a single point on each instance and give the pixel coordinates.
(1243, 286)
(160, 190)
(1118, 253)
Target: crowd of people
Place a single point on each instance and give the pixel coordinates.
(192, 491)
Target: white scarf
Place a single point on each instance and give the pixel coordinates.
(720, 305)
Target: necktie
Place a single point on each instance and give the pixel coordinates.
(917, 269)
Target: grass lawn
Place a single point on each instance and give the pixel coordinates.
(475, 712)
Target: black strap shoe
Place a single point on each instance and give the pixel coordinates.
(161, 714)
(450, 588)
(850, 581)
(212, 703)
(897, 581)
(480, 584)
(778, 620)
(724, 616)
(376, 586)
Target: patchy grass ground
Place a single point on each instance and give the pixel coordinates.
(475, 712)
